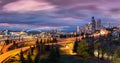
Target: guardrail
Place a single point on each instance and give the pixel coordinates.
(5, 49)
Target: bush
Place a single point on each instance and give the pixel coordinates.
(82, 49)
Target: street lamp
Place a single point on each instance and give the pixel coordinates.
(66, 46)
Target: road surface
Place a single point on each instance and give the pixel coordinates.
(11, 53)
(5, 49)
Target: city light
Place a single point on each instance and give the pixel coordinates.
(59, 31)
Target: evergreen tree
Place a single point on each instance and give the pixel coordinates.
(53, 56)
(55, 40)
(45, 41)
(82, 49)
(57, 51)
(37, 58)
(91, 45)
(31, 50)
(14, 44)
(38, 45)
(22, 59)
(75, 45)
(7, 42)
(41, 41)
(48, 41)
(29, 59)
(37, 42)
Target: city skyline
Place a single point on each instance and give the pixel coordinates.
(60, 14)
(59, 31)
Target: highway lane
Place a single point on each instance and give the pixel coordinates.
(68, 40)
(2, 44)
(5, 49)
(9, 39)
(11, 53)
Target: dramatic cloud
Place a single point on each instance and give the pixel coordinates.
(27, 6)
(57, 14)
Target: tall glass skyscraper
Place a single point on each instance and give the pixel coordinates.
(99, 26)
(93, 24)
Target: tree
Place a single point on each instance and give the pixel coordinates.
(57, 51)
(54, 55)
(45, 41)
(48, 41)
(31, 50)
(7, 42)
(38, 45)
(75, 46)
(91, 46)
(102, 50)
(22, 59)
(37, 42)
(37, 58)
(82, 49)
(15, 44)
(41, 41)
(29, 59)
(55, 40)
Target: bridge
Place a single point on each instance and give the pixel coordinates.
(8, 54)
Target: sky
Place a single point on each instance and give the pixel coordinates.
(56, 14)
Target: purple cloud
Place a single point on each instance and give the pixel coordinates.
(57, 13)
(22, 6)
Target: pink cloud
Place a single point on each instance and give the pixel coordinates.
(49, 27)
(28, 5)
(68, 19)
(15, 25)
(32, 27)
(0, 1)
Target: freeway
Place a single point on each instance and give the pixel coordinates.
(68, 40)
(11, 53)
(5, 49)
(2, 44)
(9, 39)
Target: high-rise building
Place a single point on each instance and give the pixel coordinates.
(108, 24)
(6, 32)
(88, 28)
(99, 26)
(78, 30)
(93, 24)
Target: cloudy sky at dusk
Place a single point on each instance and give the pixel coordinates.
(52, 14)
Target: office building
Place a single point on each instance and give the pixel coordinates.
(99, 26)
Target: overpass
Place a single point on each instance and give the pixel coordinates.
(5, 49)
(11, 53)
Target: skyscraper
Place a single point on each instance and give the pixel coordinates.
(93, 24)
(99, 26)
(88, 28)
(108, 24)
(78, 30)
